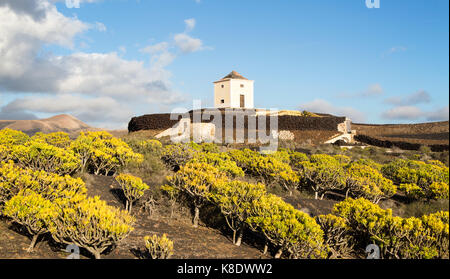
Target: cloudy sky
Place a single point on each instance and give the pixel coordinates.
(105, 61)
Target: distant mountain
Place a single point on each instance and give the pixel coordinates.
(58, 123)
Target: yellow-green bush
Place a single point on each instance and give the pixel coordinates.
(9, 137)
(195, 181)
(412, 238)
(133, 188)
(58, 139)
(281, 155)
(368, 162)
(5, 153)
(102, 153)
(150, 146)
(267, 169)
(153, 146)
(323, 173)
(207, 147)
(177, 155)
(364, 181)
(32, 211)
(291, 231)
(235, 200)
(159, 247)
(39, 155)
(14, 179)
(436, 190)
(91, 224)
(336, 235)
(297, 158)
(222, 161)
(436, 233)
(412, 175)
(11, 178)
(343, 159)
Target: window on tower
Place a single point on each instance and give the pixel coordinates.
(222, 101)
(242, 86)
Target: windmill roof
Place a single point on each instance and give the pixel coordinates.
(232, 75)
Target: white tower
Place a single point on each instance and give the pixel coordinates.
(233, 91)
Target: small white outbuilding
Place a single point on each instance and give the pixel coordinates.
(233, 91)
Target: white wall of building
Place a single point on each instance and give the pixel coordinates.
(222, 94)
(231, 93)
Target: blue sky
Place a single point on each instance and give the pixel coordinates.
(109, 60)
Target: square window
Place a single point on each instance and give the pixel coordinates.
(242, 86)
(222, 101)
(222, 86)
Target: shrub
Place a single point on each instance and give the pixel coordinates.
(159, 247)
(109, 155)
(82, 146)
(9, 137)
(39, 155)
(336, 234)
(10, 177)
(91, 224)
(368, 162)
(58, 139)
(418, 238)
(323, 173)
(177, 155)
(267, 169)
(51, 186)
(364, 181)
(436, 233)
(342, 159)
(291, 231)
(4, 153)
(103, 153)
(244, 158)
(132, 187)
(235, 200)
(209, 147)
(281, 155)
(32, 211)
(222, 161)
(150, 146)
(369, 223)
(297, 158)
(195, 181)
(437, 190)
(436, 163)
(412, 175)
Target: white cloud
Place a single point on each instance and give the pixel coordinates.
(100, 27)
(161, 53)
(322, 106)
(439, 114)
(156, 48)
(187, 44)
(403, 113)
(419, 97)
(373, 90)
(33, 8)
(416, 114)
(101, 81)
(190, 24)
